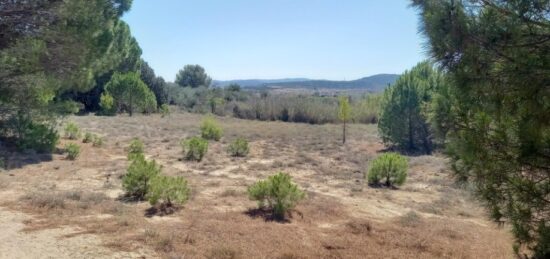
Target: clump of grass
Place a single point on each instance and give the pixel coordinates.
(72, 131)
(194, 148)
(88, 137)
(98, 141)
(44, 200)
(211, 130)
(73, 151)
(239, 148)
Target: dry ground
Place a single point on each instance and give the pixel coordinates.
(55, 208)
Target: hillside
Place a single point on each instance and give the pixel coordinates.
(375, 83)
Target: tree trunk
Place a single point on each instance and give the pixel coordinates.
(344, 134)
(130, 108)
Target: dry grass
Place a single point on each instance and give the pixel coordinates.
(341, 217)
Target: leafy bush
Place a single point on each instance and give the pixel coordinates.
(164, 110)
(88, 137)
(98, 141)
(135, 150)
(137, 179)
(38, 137)
(194, 148)
(168, 190)
(239, 148)
(107, 104)
(278, 193)
(389, 169)
(211, 130)
(73, 150)
(72, 131)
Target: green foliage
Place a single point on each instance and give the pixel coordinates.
(496, 120)
(73, 150)
(278, 193)
(164, 110)
(156, 84)
(210, 129)
(404, 117)
(239, 148)
(72, 131)
(168, 190)
(194, 148)
(88, 137)
(38, 137)
(107, 104)
(137, 180)
(131, 94)
(193, 76)
(389, 169)
(98, 141)
(135, 150)
(52, 48)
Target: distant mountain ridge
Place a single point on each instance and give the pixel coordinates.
(375, 83)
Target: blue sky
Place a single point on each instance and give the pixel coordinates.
(267, 39)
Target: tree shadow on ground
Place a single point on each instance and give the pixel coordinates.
(269, 216)
(12, 158)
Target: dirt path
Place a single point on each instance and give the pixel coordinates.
(51, 243)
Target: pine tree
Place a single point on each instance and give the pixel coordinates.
(497, 122)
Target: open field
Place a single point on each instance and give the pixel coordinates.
(53, 207)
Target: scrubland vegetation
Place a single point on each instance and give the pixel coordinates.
(468, 132)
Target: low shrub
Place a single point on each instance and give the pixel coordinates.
(38, 137)
(73, 150)
(278, 193)
(98, 141)
(194, 148)
(138, 177)
(135, 150)
(164, 110)
(107, 104)
(72, 131)
(389, 169)
(51, 200)
(239, 148)
(169, 191)
(88, 137)
(211, 130)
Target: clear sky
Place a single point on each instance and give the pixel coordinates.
(268, 39)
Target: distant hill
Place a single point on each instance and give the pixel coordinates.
(256, 82)
(375, 83)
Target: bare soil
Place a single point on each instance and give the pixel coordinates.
(52, 207)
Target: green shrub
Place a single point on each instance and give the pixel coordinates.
(211, 130)
(194, 148)
(73, 150)
(135, 150)
(98, 141)
(88, 137)
(137, 179)
(72, 131)
(38, 137)
(239, 148)
(107, 104)
(164, 110)
(169, 191)
(278, 193)
(389, 169)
